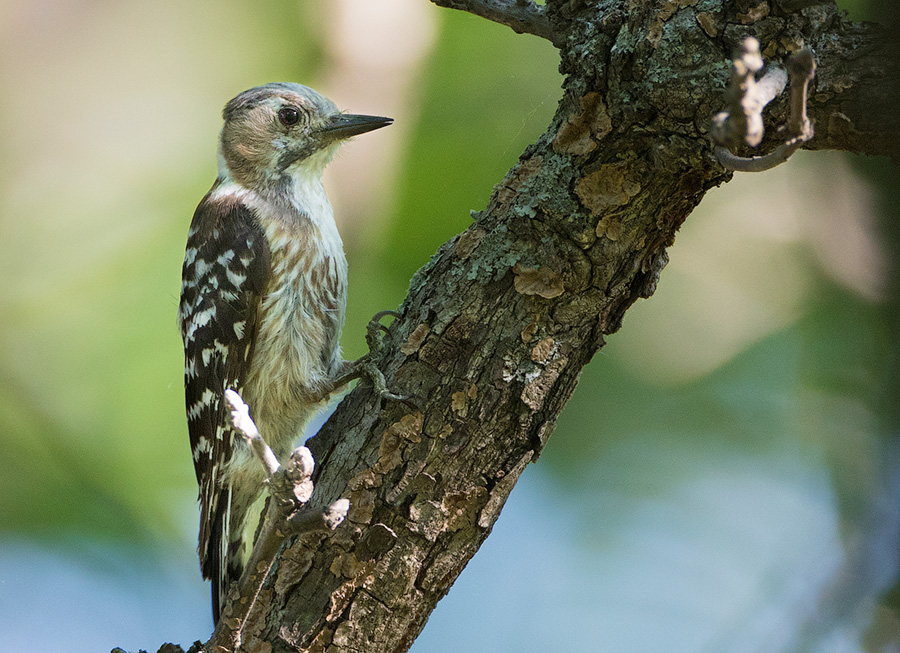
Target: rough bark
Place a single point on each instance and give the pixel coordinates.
(498, 325)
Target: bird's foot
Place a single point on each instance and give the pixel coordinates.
(364, 366)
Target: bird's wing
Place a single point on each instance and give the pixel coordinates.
(223, 280)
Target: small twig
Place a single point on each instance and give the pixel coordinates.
(522, 16)
(310, 521)
(747, 98)
(290, 488)
(742, 122)
(802, 67)
(244, 424)
(756, 163)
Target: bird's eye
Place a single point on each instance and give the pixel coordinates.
(289, 116)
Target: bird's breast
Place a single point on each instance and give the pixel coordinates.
(297, 348)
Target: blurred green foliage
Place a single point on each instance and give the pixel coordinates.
(475, 121)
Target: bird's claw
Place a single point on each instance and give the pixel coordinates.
(374, 332)
(365, 365)
(375, 329)
(370, 370)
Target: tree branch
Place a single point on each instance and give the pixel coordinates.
(499, 324)
(522, 16)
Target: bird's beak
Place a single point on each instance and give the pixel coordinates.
(346, 125)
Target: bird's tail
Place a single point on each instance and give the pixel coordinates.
(237, 518)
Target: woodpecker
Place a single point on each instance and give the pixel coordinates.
(264, 289)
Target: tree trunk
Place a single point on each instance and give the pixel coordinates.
(499, 324)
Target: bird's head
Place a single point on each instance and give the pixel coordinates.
(280, 130)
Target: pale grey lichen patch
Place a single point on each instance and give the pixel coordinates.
(494, 257)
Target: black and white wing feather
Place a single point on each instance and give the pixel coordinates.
(225, 272)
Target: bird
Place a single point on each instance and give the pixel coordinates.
(263, 297)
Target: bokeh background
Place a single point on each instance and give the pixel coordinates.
(726, 477)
